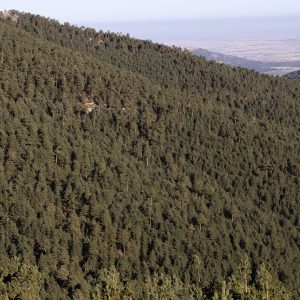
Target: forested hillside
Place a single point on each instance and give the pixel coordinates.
(120, 158)
(293, 75)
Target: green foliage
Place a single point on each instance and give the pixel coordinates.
(19, 280)
(241, 278)
(111, 286)
(156, 286)
(162, 287)
(268, 286)
(241, 285)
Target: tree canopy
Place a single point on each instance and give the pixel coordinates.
(127, 165)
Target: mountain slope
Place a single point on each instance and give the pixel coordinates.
(293, 75)
(171, 67)
(233, 60)
(95, 171)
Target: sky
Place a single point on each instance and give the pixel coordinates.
(185, 31)
(101, 11)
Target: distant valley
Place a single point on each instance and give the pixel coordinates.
(268, 67)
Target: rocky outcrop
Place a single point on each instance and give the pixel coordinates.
(10, 14)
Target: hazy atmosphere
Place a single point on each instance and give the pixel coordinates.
(135, 10)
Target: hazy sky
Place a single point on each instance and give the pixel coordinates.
(133, 10)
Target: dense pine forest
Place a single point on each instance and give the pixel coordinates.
(133, 170)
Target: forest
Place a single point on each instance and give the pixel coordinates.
(133, 170)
